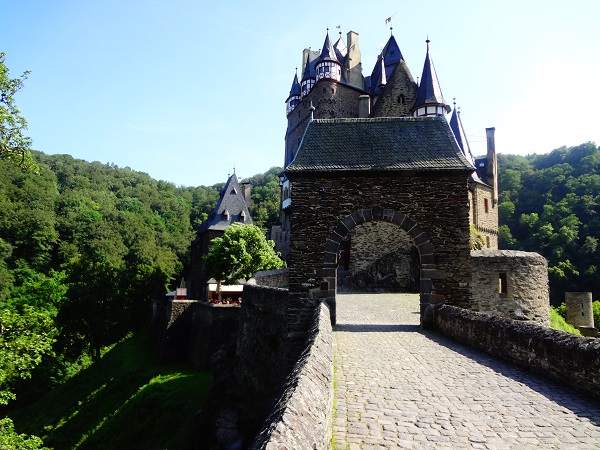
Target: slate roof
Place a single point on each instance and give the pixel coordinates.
(295, 90)
(430, 92)
(328, 52)
(232, 201)
(379, 144)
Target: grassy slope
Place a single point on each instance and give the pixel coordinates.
(126, 400)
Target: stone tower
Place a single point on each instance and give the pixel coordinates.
(389, 91)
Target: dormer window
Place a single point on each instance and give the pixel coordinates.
(242, 217)
(225, 215)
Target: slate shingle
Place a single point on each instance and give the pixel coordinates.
(379, 144)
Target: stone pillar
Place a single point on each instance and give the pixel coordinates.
(579, 309)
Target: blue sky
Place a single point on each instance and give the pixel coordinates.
(187, 90)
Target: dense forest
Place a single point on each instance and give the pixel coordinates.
(84, 249)
(550, 204)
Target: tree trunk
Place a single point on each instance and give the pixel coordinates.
(219, 293)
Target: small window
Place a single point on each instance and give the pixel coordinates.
(487, 241)
(502, 288)
(402, 99)
(486, 205)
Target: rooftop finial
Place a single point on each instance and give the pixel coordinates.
(428, 41)
(454, 100)
(312, 109)
(391, 31)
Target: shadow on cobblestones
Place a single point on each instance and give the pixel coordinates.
(366, 328)
(563, 395)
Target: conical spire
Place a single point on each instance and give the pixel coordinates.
(307, 72)
(295, 90)
(382, 77)
(459, 133)
(295, 95)
(328, 66)
(429, 101)
(308, 78)
(340, 49)
(328, 52)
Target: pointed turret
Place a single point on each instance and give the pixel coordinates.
(391, 55)
(308, 78)
(430, 101)
(459, 133)
(340, 49)
(382, 81)
(386, 63)
(328, 66)
(295, 95)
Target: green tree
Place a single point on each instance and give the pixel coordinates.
(11, 440)
(241, 252)
(14, 145)
(26, 335)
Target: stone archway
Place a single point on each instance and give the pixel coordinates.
(419, 238)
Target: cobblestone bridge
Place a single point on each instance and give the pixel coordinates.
(399, 388)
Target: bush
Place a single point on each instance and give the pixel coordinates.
(596, 307)
(557, 322)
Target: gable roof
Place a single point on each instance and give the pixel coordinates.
(379, 144)
(231, 200)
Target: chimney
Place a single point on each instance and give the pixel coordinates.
(305, 53)
(364, 106)
(353, 65)
(492, 164)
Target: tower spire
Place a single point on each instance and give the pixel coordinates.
(430, 101)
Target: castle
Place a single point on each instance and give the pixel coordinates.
(333, 94)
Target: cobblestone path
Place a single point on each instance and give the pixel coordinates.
(399, 388)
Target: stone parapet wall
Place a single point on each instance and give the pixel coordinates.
(564, 357)
(302, 417)
(279, 278)
(512, 284)
(262, 346)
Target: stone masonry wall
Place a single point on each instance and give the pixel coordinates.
(301, 419)
(485, 221)
(272, 278)
(212, 325)
(331, 100)
(524, 281)
(435, 204)
(260, 368)
(381, 258)
(564, 357)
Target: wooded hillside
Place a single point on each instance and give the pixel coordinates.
(84, 249)
(549, 204)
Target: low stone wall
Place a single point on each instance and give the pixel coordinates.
(511, 284)
(189, 331)
(274, 278)
(212, 325)
(564, 357)
(302, 417)
(172, 328)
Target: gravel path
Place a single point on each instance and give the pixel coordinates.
(400, 388)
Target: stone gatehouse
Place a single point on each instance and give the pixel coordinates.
(349, 172)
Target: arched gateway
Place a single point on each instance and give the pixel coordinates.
(418, 236)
